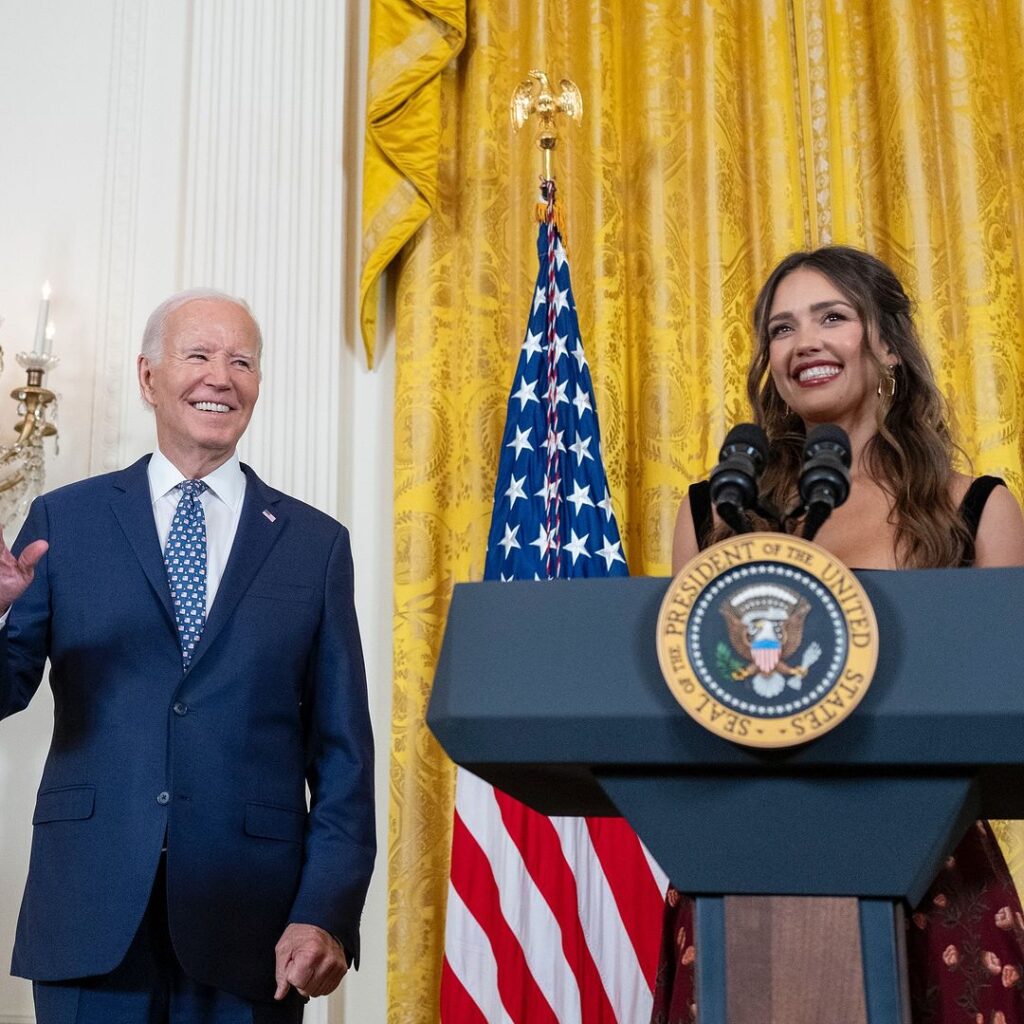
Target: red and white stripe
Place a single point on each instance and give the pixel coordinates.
(550, 920)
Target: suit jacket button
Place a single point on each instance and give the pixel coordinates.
(163, 798)
(179, 708)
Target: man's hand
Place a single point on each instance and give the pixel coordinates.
(16, 573)
(309, 960)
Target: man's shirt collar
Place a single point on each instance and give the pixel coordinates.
(227, 481)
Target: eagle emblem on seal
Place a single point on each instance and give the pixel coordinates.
(766, 628)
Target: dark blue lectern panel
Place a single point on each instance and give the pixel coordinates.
(579, 720)
(948, 691)
(825, 836)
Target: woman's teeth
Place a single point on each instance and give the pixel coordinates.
(818, 373)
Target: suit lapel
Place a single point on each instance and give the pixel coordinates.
(132, 504)
(259, 527)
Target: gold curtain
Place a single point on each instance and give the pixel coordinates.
(411, 42)
(717, 137)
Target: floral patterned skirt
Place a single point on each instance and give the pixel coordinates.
(965, 945)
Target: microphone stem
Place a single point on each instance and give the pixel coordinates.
(817, 513)
(733, 517)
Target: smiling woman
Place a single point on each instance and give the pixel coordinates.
(835, 343)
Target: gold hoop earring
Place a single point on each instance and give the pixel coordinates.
(887, 383)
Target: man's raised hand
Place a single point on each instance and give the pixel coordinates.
(16, 573)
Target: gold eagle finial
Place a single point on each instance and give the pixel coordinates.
(534, 96)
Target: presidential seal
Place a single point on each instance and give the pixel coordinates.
(767, 640)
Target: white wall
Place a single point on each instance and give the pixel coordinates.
(151, 145)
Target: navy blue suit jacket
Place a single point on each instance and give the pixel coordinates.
(216, 759)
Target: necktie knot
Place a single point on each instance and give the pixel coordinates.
(192, 488)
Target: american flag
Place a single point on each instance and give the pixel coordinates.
(550, 920)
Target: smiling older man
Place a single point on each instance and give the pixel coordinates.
(206, 666)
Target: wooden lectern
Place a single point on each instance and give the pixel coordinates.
(866, 812)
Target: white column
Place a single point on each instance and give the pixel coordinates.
(118, 226)
(262, 215)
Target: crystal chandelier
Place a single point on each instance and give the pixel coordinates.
(22, 462)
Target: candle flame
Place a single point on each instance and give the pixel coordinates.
(46, 291)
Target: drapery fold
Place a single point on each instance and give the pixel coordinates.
(716, 138)
(410, 44)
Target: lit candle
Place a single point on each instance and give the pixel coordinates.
(48, 344)
(41, 321)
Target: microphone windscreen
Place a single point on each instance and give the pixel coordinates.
(746, 435)
(831, 435)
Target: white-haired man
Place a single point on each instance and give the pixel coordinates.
(206, 667)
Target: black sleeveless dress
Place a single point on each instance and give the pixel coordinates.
(965, 942)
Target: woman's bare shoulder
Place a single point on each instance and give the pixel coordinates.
(1000, 540)
(684, 537)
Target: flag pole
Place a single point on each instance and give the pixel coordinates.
(534, 97)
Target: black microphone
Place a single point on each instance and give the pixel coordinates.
(734, 480)
(825, 478)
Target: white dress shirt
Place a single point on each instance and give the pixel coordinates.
(222, 508)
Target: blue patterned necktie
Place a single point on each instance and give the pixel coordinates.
(185, 558)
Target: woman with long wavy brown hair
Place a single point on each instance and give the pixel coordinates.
(836, 343)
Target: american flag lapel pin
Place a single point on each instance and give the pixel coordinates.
(270, 515)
